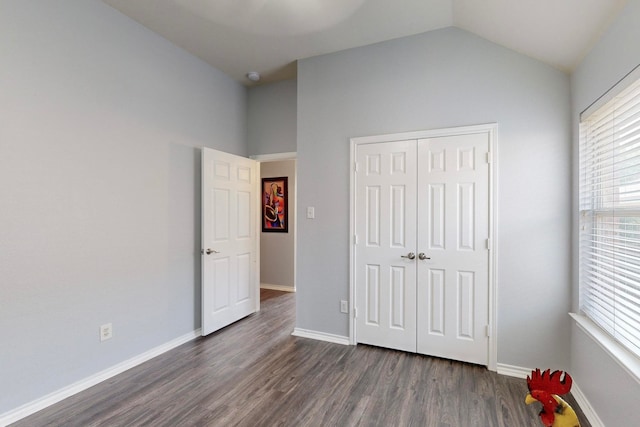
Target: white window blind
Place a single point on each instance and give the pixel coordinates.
(610, 217)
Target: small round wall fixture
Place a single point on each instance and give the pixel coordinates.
(254, 76)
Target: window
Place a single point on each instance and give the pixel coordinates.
(610, 217)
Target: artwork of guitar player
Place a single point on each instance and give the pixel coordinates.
(274, 205)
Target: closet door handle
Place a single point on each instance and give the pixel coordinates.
(410, 255)
(422, 256)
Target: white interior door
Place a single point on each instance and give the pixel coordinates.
(386, 230)
(453, 224)
(230, 283)
(429, 198)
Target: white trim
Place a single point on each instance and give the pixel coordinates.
(513, 371)
(585, 406)
(493, 253)
(277, 287)
(258, 224)
(492, 130)
(320, 336)
(68, 391)
(352, 243)
(423, 134)
(274, 157)
(627, 360)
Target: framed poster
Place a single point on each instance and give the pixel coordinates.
(275, 201)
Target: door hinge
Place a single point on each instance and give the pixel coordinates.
(355, 312)
(489, 157)
(355, 239)
(488, 244)
(488, 331)
(355, 166)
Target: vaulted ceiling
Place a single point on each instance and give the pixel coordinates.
(269, 36)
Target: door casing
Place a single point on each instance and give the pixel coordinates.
(491, 129)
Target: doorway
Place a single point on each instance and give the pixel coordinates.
(278, 248)
(423, 253)
(231, 235)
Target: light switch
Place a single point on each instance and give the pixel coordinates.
(311, 212)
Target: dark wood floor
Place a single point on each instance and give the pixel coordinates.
(254, 373)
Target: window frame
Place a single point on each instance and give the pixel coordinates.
(600, 210)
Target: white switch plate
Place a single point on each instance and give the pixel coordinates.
(311, 212)
(106, 332)
(344, 307)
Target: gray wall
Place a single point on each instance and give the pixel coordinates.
(277, 250)
(100, 124)
(272, 118)
(597, 375)
(440, 79)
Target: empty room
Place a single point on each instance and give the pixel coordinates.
(319, 213)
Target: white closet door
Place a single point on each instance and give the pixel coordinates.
(386, 230)
(429, 198)
(453, 224)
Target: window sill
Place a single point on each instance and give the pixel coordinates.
(627, 360)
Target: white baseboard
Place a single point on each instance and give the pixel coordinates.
(277, 287)
(320, 336)
(36, 405)
(587, 409)
(513, 371)
(61, 394)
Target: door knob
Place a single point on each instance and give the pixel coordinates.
(410, 255)
(422, 256)
(210, 251)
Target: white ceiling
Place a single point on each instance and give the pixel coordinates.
(268, 36)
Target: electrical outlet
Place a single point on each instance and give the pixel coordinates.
(106, 332)
(344, 307)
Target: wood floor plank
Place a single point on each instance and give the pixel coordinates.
(254, 373)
